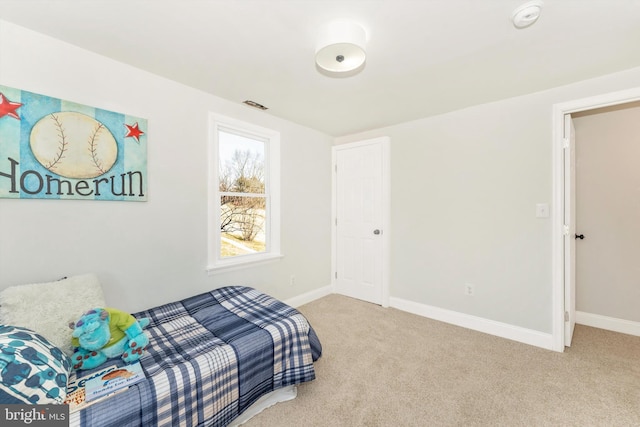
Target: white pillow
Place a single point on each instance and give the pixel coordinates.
(47, 308)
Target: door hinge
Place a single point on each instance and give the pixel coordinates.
(336, 222)
(565, 142)
(565, 230)
(336, 274)
(335, 167)
(566, 316)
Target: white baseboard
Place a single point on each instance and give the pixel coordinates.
(309, 296)
(480, 324)
(609, 323)
(503, 330)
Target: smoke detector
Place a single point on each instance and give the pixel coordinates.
(527, 14)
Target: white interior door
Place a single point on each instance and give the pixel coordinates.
(360, 224)
(570, 227)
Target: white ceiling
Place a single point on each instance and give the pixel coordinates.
(424, 57)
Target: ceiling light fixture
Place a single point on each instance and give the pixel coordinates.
(340, 48)
(527, 14)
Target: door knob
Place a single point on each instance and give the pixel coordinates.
(376, 231)
(580, 236)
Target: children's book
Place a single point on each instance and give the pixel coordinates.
(113, 381)
(76, 389)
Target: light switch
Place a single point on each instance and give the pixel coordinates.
(542, 210)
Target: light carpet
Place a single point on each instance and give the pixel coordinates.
(384, 367)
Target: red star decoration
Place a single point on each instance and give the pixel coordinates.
(134, 132)
(8, 108)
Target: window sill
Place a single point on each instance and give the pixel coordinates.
(253, 261)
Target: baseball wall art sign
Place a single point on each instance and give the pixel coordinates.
(56, 149)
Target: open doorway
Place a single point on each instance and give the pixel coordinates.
(607, 212)
(564, 252)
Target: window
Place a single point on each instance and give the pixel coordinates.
(244, 199)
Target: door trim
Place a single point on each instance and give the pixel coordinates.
(559, 198)
(384, 141)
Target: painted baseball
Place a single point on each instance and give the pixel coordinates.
(73, 145)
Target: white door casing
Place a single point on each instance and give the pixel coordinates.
(361, 220)
(570, 227)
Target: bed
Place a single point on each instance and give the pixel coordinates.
(214, 359)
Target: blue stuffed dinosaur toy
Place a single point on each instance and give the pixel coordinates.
(106, 333)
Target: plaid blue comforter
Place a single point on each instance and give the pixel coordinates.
(210, 357)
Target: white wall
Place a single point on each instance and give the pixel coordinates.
(607, 211)
(464, 187)
(147, 253)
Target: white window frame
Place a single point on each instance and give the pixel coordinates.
(272, 192)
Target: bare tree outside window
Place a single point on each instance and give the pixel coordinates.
(242, 195)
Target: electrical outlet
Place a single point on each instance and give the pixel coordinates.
(469, 289)
(292, 280)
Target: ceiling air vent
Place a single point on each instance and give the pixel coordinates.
(255, 105)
